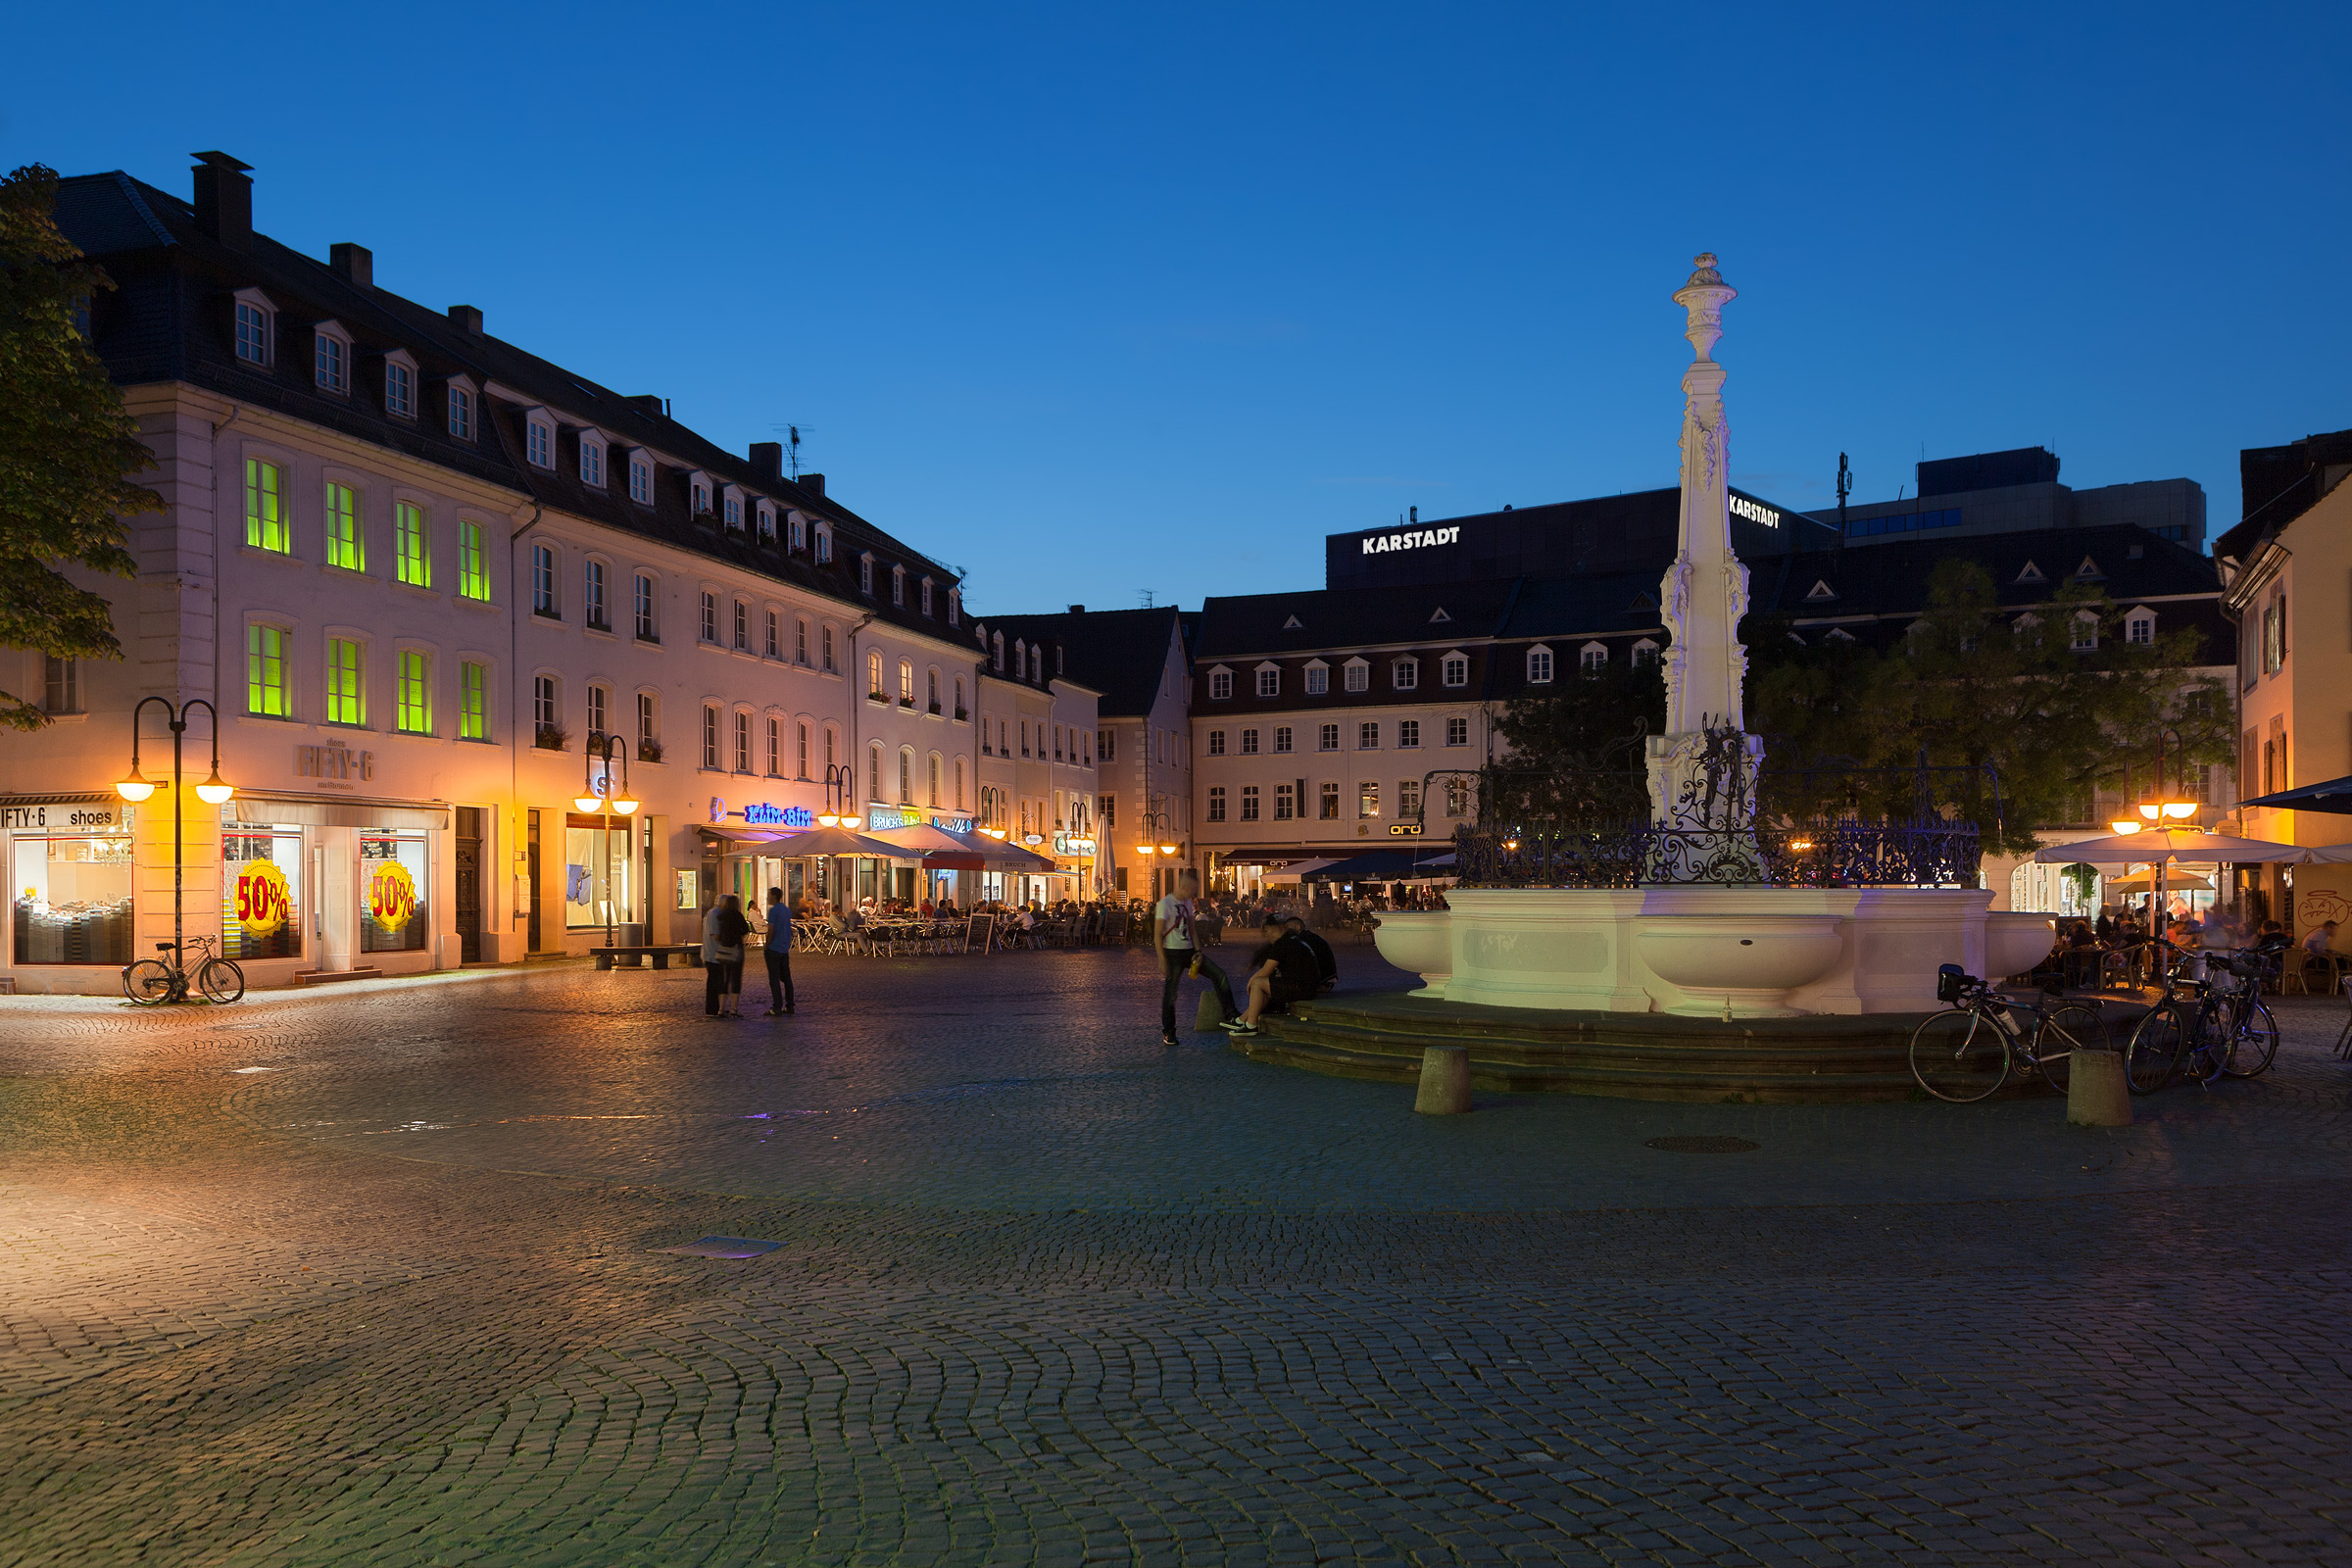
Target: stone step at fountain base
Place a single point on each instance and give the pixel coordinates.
(1815, 1059)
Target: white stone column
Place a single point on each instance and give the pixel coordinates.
(1704, 592)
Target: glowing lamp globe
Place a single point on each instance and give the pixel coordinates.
(134, 788)
(215, 789)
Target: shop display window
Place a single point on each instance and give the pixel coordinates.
(599, 878)
(394, 886)
(261, 892)
(73, 898)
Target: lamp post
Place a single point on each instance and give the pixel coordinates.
(135, 788)
(1159, 838)
(596, 795)
(2163, 810)
(839, 782)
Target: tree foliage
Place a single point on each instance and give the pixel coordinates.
(1989, 696)
(68, 449)
(1575, 751)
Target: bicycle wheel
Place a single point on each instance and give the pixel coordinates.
(2252, 1040)
(2158, 1042)
(1959, 1057)
(2063, 1032)
(147, 982)
(220, 980)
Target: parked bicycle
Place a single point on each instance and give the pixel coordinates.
(151, 982)
(2204, 1028)
(1967, 1053)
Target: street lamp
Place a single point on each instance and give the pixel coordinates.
(2163, 810)
(596, 795)
(839, 782)
(135, 787)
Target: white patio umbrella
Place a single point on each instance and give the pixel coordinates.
(2146, 882)
(2169, 846)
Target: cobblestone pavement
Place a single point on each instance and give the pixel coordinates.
(375, 1276)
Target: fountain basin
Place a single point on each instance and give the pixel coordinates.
(2016, 939)
(1419, 941)
(1742, 965)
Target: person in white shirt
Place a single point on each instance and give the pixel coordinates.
(1177, 941)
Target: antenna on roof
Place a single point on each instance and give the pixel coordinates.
(1146, 594)
(792, 443)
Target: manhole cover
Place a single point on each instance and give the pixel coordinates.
(725, 1246)
(1703, 1145)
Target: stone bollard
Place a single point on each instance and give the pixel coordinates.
(1444, 1081)
(1208, 1016)
(2096, 1094)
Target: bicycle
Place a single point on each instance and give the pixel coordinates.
(151, 982)
(2207, 1028)
(1967, 1054)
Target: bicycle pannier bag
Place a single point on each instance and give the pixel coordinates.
(1950, 979)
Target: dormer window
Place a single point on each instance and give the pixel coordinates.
(799, 531)
(2139, 627)
(1405, 674)
(461, 409)
(1318, 678)
(898, 586)
(330, 356)
(699, 497)
(539, 438)
(767, 519)
(1592, 656)
(257, 321)
(1538, 667)
(400, 385)
(733, 505)
(999, 651)
(824, 545)
(926, 596)
(2085, 632)
(954, 607)
(1646, 654)
(592, 459)
(1358, 675)
(1269, 680)
(1454, 669)
(865, 572)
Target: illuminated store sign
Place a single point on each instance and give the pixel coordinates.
(766, 815)
(1754, 511)
(882, 819)
(1380, 544)
(952, 824)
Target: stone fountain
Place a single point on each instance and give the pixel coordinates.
(1709, 929)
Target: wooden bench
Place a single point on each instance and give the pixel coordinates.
(690, 952)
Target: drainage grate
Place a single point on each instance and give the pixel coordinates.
(724, 1246)
(1703, 1145)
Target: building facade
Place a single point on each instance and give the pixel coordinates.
(2018, 492)
(2286, 563)
(438, 591)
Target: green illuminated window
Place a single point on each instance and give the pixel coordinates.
(345, 703)
(415, 693)
(266, 670)
(407, 539)
(264, 507)
(344, 546)
(473, 577)
(474, 702)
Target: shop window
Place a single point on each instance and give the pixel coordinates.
(394, 884)
(72, 898)
(261, 892)
(600, 875)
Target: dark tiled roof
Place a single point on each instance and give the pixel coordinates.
(1584, 606)
(1119, 652)
(1253, 624)
(1895, 577)
(168, 321)
(2279, 484)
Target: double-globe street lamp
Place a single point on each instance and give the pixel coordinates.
(213, 791)
(2163, 810)
(596, 798)
(1159, 838)
(840, 783)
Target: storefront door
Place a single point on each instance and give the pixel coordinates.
(469, 884)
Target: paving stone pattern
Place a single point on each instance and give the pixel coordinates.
(1049, 1293)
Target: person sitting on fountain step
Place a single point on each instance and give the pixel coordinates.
(1327, 962)
(1281, 972)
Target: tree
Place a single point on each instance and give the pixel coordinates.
(68, 449)
(1973, 688)
(1575, 751)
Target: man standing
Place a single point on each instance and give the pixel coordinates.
(1178, 943)
(779, 954)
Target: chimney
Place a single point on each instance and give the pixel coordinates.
(768, 460)
(813, 483)
(355, 262)
(467, 317)
(1077, 610)
(224, 198)
(645, 403)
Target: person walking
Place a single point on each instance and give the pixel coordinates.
(1178, 943)
(723, 931)
(779, 954)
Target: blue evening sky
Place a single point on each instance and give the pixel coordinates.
(1095, 300)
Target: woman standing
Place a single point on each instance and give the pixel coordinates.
(723, 931)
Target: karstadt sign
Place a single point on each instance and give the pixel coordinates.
(1380, 544)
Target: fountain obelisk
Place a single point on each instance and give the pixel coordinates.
(1701, 767)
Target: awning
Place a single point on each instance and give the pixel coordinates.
(2333, 796)
(728, 833)
(337, 810)
(1382, 866)
(944, 861)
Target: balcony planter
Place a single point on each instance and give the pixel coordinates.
(551, 738)
(649, 750)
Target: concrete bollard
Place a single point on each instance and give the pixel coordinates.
(2096, 1094)
(1208, 1016)
(1444, 1081)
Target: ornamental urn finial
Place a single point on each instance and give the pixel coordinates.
(1703, 299)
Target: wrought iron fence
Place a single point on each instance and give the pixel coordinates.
(1919, 852)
